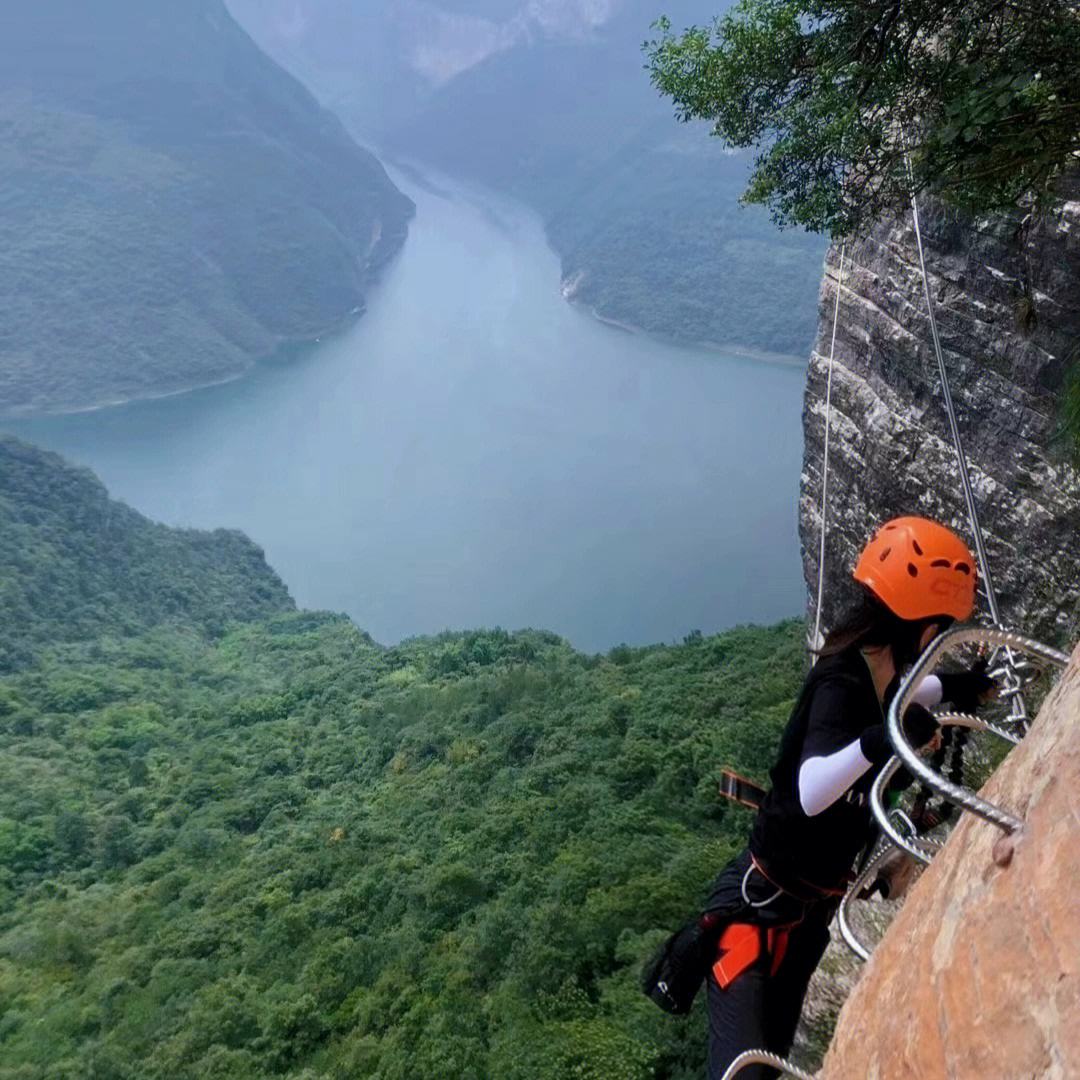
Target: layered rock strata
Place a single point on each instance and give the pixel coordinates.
(1007, 296)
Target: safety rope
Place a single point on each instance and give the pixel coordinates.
(815, 641)
(1017, 707)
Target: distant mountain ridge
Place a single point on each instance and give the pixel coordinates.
(548, 100)
(431, 40)
(174, 205)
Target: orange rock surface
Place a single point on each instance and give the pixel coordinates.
(979, 976)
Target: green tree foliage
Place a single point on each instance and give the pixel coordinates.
(76, 565)
(274, 848)
(984, 96)
(267, 846)
(447, 858)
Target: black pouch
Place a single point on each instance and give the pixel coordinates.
(675, 974)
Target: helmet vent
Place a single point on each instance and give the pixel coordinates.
(963, 568)
(915, 545)
(885, 554)
(941, 562)
(912, 569)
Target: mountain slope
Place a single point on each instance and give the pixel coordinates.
(657, 239)
(76, 566)
(174, 205)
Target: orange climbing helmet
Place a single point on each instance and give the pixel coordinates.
(918, 568)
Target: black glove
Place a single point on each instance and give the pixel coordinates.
(965, 690)
(919, 728)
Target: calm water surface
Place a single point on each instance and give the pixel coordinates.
(477, 452)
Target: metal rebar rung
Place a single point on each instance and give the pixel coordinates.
(763, 1057)
(954, 793)
(857, 886)
(884, 817)
(918, 847)
(866, 878)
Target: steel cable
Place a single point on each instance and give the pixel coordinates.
(1018, 709)
(815, 641)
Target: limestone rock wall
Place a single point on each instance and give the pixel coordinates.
(979, 976)
(1008, 303)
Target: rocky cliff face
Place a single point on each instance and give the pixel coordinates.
(979, 976)
(1008, 303)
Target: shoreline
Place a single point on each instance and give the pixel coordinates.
(279, 354)
(276, 355)
(30, 415)
(734, 351)
(375, 266)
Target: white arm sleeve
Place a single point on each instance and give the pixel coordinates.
(929, 693)
(822, 780)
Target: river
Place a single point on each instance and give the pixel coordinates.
(476, 452)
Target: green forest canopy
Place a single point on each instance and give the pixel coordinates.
(291, 852)
(983, 95)
(237, 840)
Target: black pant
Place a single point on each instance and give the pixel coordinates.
(759, 1010)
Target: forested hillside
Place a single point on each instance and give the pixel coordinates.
(550, 101)
(657, 239)
(76, 565)
(284, 850)
(173, 205)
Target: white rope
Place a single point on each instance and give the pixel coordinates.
(815, 641)
(1018, 708)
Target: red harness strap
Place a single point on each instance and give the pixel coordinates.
(740, 945)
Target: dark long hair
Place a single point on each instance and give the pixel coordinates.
(870, 624)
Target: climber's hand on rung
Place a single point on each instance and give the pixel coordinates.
(967, 690)
(920, 727)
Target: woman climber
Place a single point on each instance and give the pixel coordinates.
(765, 926)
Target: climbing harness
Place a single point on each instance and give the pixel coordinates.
(815, 641)
(741, 944)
